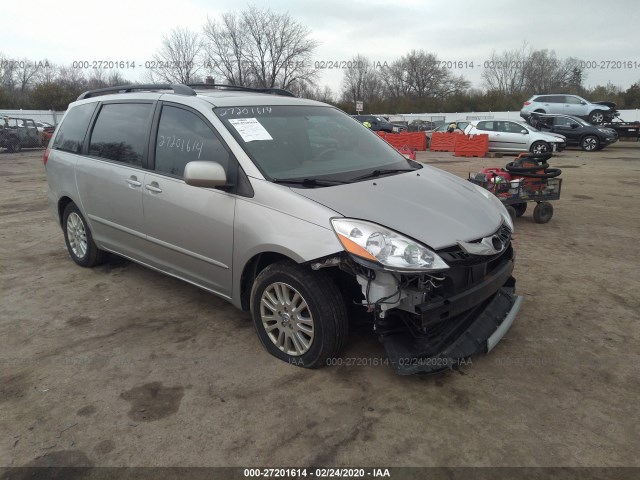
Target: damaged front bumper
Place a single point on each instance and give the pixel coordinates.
(450, 343)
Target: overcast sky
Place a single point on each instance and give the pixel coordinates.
(68, 30)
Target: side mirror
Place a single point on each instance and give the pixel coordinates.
(574, 125)
(204, 174)
(524, 131)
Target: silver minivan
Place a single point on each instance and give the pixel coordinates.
(289, 209)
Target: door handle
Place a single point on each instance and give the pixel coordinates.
(153, 188)
(133, 181)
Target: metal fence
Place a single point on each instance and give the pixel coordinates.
(49, 116)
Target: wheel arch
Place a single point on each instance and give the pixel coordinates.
(252, 269)
(62, 204)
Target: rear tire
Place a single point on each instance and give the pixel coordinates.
(14, 145)
(77, 235)
(590, 143)
(543, 212)
(596, 117)
(512, 212)
(540, 147)
(299, 314)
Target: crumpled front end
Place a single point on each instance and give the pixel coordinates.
(431, 322)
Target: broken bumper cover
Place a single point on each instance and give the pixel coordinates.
(477, 331)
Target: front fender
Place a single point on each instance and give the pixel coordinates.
(261, 229)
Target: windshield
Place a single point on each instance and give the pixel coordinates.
(309, 142)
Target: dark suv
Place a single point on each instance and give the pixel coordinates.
(575, 130)
(378, 124)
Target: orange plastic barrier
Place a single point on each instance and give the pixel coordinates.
(415, 140)
(443, 141)
(408, 152)
(471, 145)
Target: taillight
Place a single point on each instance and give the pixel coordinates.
(46, 156)
(527, 103)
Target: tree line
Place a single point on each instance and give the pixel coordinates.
(262, 48)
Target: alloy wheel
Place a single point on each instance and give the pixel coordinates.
(286, 319)
(77, 235)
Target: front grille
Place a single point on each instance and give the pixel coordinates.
(456, 256)
(468, 270)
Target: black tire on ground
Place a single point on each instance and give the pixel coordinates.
(512, 212)
(543, 212)
(540, 147)
(76, 234)
(596, 117)
(279, 293)
(13, 145)
(520, 208)
(590, 143)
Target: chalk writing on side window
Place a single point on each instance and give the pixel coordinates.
(182, 144)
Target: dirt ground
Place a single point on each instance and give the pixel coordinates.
(122, 366)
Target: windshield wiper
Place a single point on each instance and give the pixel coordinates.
(309, 182)
(382, 171)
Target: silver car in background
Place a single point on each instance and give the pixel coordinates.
(291, 210)
(511, 136)
(594, 113)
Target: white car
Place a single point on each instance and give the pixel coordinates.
(42, 125)
(511, 136)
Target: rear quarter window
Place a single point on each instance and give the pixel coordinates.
(73, 129)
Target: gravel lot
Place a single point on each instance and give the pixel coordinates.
(122, 366)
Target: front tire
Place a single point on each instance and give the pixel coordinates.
(77, 235)
(520, 208)
(590, 143)
(540, 147)
(299, 314)
(543, 212)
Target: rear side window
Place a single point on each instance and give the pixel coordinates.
(73, 129)
(485, 126)
(184, 137)
(572, 100)
(121, 132)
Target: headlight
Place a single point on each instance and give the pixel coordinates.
(608, 131)
(380, 245)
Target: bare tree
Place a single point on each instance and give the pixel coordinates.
(545, 73)
(25, 74)
(7, 72)
(48, 73)
(225, 49)
(532, 71)
(72, 77)
(260, 48)
(361, 81)
(178, 60)
(97, 79)
(394, 79)
(506, 73)
(314, 92)
(115, 78)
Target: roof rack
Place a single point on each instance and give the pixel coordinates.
(176, 87)
(275, 91)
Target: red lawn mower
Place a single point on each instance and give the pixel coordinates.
(527, 179)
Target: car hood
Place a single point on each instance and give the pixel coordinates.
(610, 105)
(430, 205)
